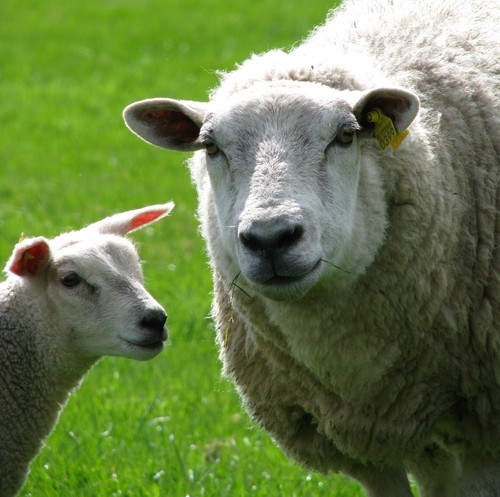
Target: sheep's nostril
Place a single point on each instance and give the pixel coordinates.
(260, 238)
(290, 237)
(154, 320)
(251, 241)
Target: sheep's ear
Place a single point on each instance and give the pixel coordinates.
(126, 222)
(167, 123)
(30, 257)
(401, 106)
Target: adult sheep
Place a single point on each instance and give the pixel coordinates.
(357, 290)
(67, 302)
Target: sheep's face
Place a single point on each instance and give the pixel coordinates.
(278, 173)
(88, 288)
(96, 293)
(284, 172)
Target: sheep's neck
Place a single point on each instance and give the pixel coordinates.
(38, 360)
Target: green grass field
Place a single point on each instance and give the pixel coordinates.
(172, 426)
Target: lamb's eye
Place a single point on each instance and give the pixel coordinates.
(71, 279)
(211, 148)
(345, 135)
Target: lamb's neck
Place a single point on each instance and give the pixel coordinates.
(37, 350)
(34, 386)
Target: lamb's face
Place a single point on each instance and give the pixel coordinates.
(284, 172)
(96, 293)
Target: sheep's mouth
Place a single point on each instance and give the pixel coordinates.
(151, 345)
(146, 344)
(279, 287)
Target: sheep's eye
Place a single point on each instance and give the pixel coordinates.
(71, 279)
(345, 135)
(211, 148)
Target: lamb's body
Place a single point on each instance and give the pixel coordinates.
(67, 302)
(36, 378)
(390, 359)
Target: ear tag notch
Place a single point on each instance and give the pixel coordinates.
(385, 133)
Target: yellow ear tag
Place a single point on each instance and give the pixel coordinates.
(385, 133)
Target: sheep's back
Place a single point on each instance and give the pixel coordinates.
(452, 44)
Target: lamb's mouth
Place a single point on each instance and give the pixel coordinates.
(146, 344)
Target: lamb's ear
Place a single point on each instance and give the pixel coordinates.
(167, 123)
(30, 257)
(126, 222)
(401, 106)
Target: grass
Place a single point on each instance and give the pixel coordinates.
(172, 426)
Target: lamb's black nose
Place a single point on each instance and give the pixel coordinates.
(154, 320)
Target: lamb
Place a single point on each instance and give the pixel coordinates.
(67, 302)
(356, 267)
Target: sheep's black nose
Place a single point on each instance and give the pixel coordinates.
(154, 320)
(259, 238)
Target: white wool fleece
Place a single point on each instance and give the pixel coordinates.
(357, 291)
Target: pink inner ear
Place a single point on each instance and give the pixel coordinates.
(142, 219)
(31, 259)
(170, 123)
(154, 114)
